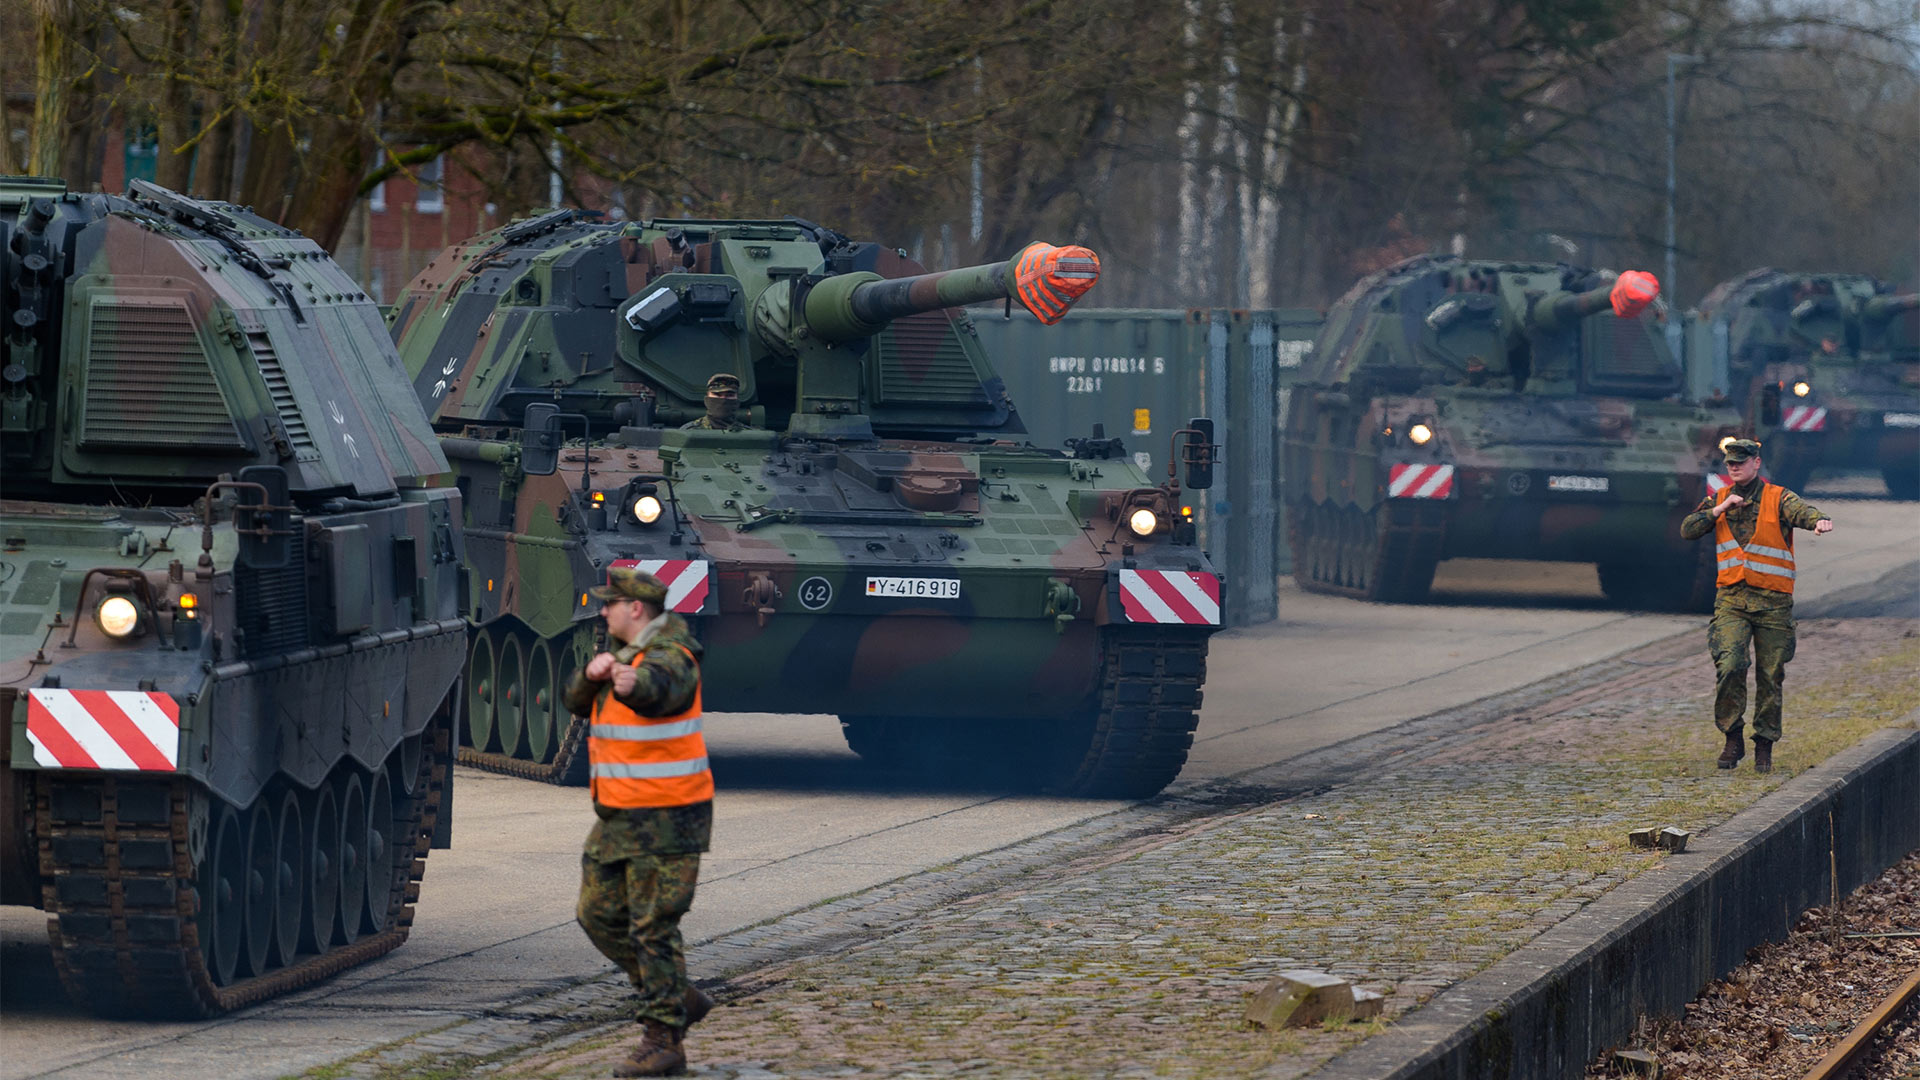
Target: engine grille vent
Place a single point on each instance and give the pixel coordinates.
(922, 363)
(271, 605)
(149, 381)
(283, 400)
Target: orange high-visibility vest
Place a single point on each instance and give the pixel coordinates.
(640, 761)
(1766, 561)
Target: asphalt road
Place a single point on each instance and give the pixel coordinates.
(800, 820)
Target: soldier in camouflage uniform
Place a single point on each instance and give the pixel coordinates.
(723, 406)
(1744, 611)
(652, 793)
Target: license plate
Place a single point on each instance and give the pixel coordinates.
(1577, 483)
(917, 588)
(1901, 419)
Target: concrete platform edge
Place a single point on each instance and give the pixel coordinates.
(1652, 944)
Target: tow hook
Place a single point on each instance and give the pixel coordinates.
(1062, 603)
(760, 594)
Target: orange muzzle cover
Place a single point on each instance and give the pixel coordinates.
(1631, 294)
(1049, 279)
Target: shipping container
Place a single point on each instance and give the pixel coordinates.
(1141, 374)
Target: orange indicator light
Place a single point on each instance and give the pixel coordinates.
(188, 601)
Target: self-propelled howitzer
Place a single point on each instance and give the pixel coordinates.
(230, 622)
(1496, 410)
(866, 542)
(1825, 367)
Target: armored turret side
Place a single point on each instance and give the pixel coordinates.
(234, 631)
(855, 547)
(1504, 410)
(1825, 368)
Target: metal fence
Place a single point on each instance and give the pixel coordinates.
(1141, 374)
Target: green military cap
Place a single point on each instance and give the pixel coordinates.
(724, 381)
(1737, 450)
(628, 583)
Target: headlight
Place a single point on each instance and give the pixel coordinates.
(1421, 434)
(1143, 522)
(1801, 389)
(118, 616)
(1725, 440)
(646, 509)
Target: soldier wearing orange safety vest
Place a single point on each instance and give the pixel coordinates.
(1752, 523)
(653, 795)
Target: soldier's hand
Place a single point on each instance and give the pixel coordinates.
(624, 680)
(600, 667)
(1824, 525)
(1727, 503)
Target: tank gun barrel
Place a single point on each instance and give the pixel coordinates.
(1628, 296)
(1886, 307)
(1044, 279)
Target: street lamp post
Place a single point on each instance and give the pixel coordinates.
(1667, 283)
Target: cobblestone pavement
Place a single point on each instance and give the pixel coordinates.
(1406, 860)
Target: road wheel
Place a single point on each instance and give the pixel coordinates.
(543, 712)
(353, 859)
(510, 696)
(481, 673)
(223, 894)
(380, 841)
(261, 877)
(289, 886)
(323, 858)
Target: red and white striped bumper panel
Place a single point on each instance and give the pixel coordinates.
(129, 730)
(1170, 596)
(685, 579)
(1716, 483)
(1420, 482)
(1805, 418)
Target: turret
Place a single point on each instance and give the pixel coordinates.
(827, 337)
(156, 342)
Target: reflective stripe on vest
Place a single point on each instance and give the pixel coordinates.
(647, 761)
(1766, 561)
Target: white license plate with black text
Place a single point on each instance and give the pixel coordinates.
(1901, 419)
(917, 588)
(1594, 484)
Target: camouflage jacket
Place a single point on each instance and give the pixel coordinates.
(669, 678)
(707, 423)
(1795, 513)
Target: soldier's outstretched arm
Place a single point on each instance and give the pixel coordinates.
(1801, 514)
(666, 683)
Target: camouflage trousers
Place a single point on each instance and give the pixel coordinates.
(630, 909)
(1770, 633)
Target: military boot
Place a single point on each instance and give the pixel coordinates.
(1762, 754)
(1735, 749)
(698, 1005)
(659, 1053)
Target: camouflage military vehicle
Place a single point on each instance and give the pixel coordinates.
(875, 545)
(1824, 367)
(230, 632)
(1458, 408)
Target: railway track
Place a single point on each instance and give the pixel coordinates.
(1841, 1061)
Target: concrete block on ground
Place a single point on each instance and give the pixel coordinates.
(1634, 1063)
(1643, 838)
(1305, 998)
(1674, 840)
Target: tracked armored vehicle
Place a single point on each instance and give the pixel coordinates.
(877, 545)
(1455, 408)
(1824, 367)
(230, 624)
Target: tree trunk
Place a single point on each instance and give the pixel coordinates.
(53, 83)
(174, 167)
